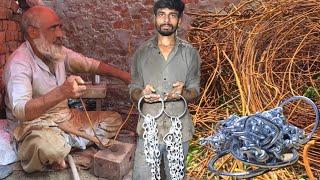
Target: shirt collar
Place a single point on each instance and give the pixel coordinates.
(36, 58)
(153, 42)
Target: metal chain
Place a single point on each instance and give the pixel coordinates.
(264, 140)
(173, 141)
(151, 145)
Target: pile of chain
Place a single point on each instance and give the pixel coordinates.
(172, 140)
(263, 140)
(151, 145)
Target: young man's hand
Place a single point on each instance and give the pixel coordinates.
(176, 91)
(149, 94)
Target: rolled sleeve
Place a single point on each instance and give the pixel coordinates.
(193, 77)
(18, 87)
(77, 63)
(136, 74)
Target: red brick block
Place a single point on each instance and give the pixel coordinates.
(5, 3)
(117, 25)
(114, 162)
(2, 60)
(12, 35)
(5, 25)
(12, 26)
(9, 36)
(20, 36)
(14, 6)
(3, 48)
(117, 8)
(127, 24)
(13, 45)
(17, 35)
(2, 36)
(3, 14)
(149, 26)
(148, 2)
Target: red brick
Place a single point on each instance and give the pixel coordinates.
(2, 60)
(13, 45)
(3, 48)
(3, 14)
(5, 25)
(124, 12)
(117, 25)
(149, 26)
(127, 24)
(137, 16)
(5, 3)
(9, 36)
(117, 8)
(20, 36)
(12, 26)
(114, 162)
(148, 2)
(14, 6)
(2, 36)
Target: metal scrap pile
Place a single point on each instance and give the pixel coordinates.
(254, 55)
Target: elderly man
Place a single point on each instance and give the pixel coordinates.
(37, 89)
(167, 67)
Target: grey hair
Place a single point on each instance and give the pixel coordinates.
(29, 18)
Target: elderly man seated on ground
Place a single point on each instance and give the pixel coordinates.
(37, 89)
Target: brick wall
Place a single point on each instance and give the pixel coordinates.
(112, 30)
(10, 38)
(107, 30)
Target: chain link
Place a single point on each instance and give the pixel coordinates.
(151, 145)
(172, 140)
(264, 140)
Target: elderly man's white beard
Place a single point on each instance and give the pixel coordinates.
(51, 52)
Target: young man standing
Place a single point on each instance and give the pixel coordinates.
(164, 67)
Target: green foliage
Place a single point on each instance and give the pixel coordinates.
(311, 93)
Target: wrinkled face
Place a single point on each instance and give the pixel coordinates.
(167, 21)
(49, 39)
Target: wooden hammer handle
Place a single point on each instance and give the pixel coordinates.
(79, 133)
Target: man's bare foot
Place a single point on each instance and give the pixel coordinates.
(57, 166)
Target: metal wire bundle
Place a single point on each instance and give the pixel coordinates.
(255, 54)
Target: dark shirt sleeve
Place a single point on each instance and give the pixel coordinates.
(193, 76)
(136, 73)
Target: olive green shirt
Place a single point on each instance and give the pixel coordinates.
(150, 67)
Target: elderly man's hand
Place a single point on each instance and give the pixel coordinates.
(176, 91)
(149, 94)
(72, 87)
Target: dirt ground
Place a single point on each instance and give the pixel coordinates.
(60, 175)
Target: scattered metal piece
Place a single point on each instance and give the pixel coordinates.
(263, 140)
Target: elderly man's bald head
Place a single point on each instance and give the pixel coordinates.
(37, 16)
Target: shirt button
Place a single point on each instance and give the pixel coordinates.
(165, 79)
